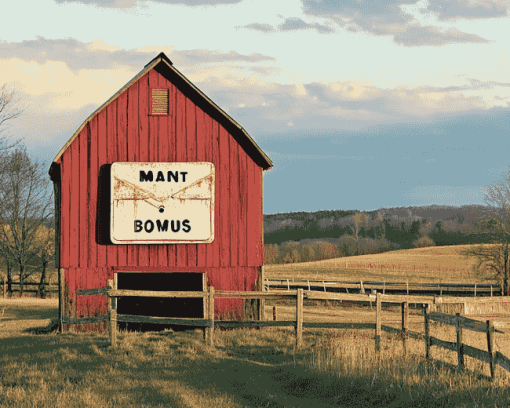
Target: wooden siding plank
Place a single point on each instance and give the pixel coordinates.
(122, 103)
(93, 177)
(143, 122)
(202, 138)
(74, 238)
(171, 249)
(214, 258)
(251, 234)
(181, 156)
(84, 196)
(191, 156)
(259, 217)
(224, 198)
(65, 208)
(234, 201)
(102, 141)
(243, 208)
(82, 303)
(164, 156)
(71, 284)
(111, 124)
(154, 135)
(133, 150)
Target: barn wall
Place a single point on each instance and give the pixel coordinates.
(124, 131)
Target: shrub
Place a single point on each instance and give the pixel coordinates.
(423, 242)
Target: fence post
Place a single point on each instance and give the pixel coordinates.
(377, 322)
(112, 313)
(3, 287)
(274, 313)
(299, 317)
(362, 289)
(211, 315)
(206, 313)
(460, 346)
(490, 347)
(427, 332)
(405, 325)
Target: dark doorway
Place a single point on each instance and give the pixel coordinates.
(159, 307)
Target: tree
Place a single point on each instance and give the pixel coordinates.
(25, 205)
(492, 260)
(10, 108)
(358, 220)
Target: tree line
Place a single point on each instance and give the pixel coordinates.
(370, 233)
(27, 235)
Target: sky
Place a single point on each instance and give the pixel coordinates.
(359, 104)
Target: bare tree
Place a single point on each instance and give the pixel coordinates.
(10, 108)
(492, 260)
(25, 203)
(358, 220)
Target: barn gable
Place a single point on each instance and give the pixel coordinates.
(164, 66)
(125, 129)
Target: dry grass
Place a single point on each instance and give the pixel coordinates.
(432, 264)
(247, 367)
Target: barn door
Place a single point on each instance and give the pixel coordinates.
(160, 307)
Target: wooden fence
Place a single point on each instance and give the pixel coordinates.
(16, 287)
(478, 289)
(209, 323)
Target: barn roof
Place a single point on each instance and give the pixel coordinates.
(164, 66)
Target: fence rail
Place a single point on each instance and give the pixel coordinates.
(16, 287)
(208, 323)
(480, 289)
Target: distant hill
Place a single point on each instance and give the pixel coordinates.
(329, 225)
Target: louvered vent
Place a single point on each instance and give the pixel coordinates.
(160, 101)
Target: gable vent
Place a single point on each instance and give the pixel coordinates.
(160, 101)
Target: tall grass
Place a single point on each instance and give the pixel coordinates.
(246, 367)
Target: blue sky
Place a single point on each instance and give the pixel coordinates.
(360, 104)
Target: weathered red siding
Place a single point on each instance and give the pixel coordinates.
(124, 131)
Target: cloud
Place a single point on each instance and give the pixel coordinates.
(290, 24)
(260, 104)
(58, 80)
(474, 84)
(98, 55)
(206, 56)
(75, 54)
(294, 23)
(454, 9)
(386, 18)
(417, 36)
(133, 3)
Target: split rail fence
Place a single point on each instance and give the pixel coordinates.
(209, 323)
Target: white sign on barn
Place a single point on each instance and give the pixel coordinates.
(161, 203)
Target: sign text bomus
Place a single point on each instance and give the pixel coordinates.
(162, 226)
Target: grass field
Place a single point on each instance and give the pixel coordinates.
(248, 367)
(432, 264)
(245, 368)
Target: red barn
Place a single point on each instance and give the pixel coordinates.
(162, 187)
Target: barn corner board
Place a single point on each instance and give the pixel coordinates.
(162, 189)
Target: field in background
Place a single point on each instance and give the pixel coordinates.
(420, 265)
